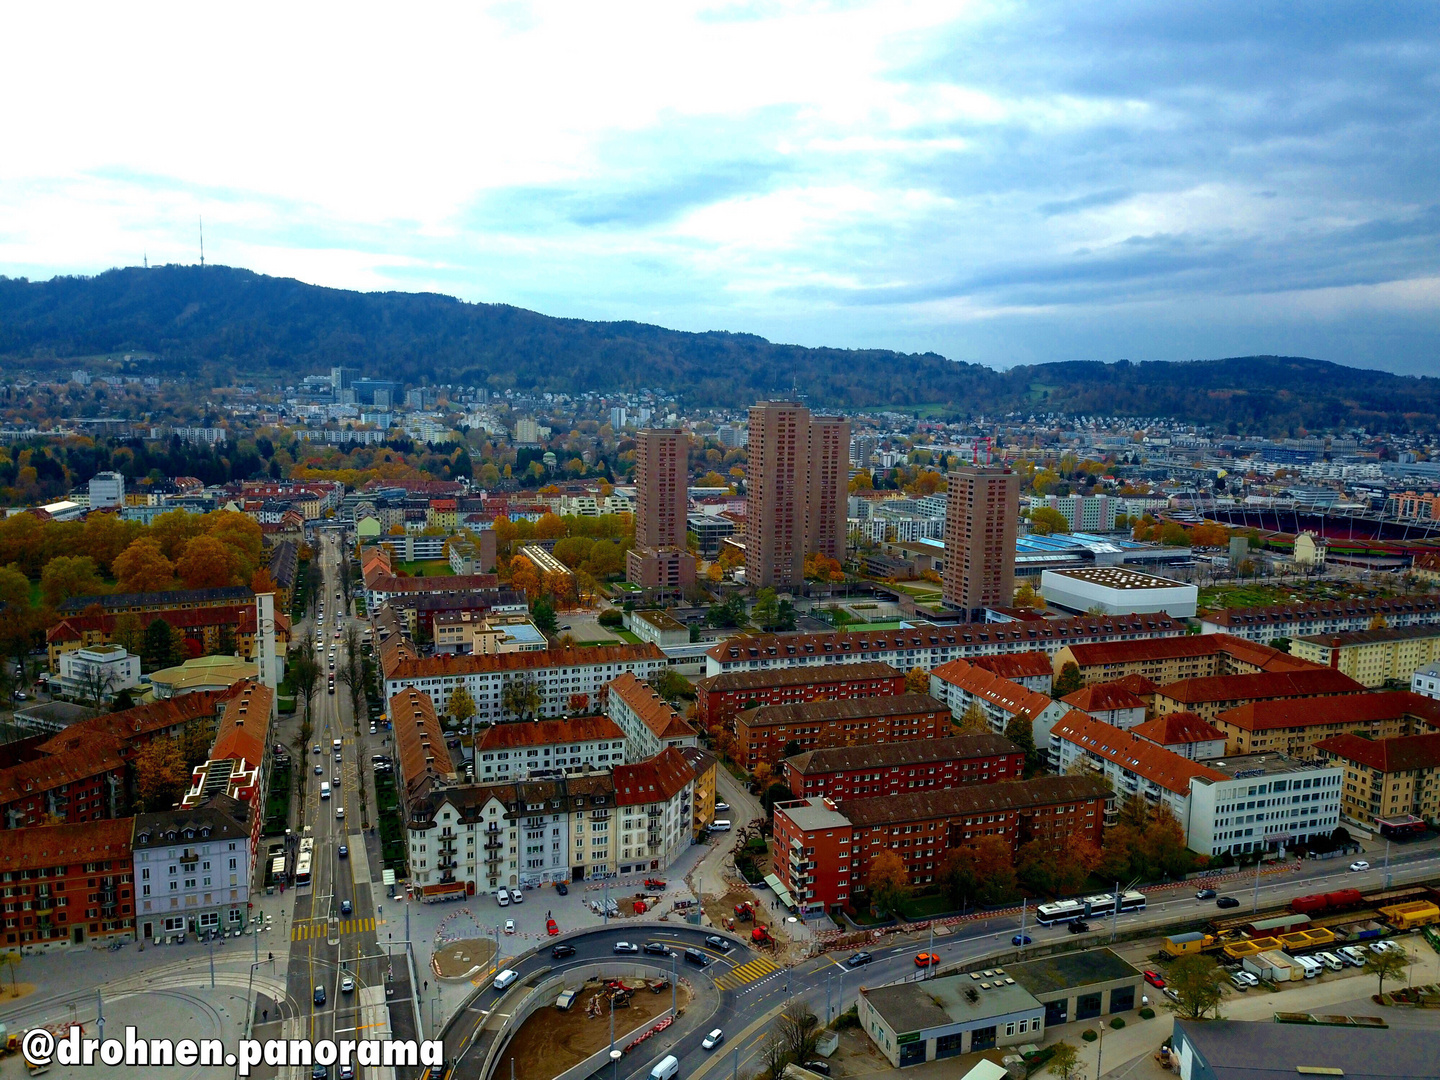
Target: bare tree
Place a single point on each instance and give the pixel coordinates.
(799, 1028)
(95, 682)
(773, 1056)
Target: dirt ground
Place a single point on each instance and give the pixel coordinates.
(722, 908)
(552, 1041)
(456, 959)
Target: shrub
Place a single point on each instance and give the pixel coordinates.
(1117, 1023)
(1147, 1013)
(1089, 1035)
(610, 617)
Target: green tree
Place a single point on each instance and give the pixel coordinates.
(1065, 1062)
(1199, 985)
(1020, 731)
(767, 609)
(1068, 681)
(69, 575)
(1044, 521)
(158, 651)
(520, 697)
(1390, 964)
(671, 685)
(542, 612)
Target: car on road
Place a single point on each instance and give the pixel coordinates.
(509, 926)
(1205, 894)
(339, 811)
(1022, 939)
(1169, 992)
(655, 948)
(714, 1039)
(717, 942)
(926, 960)
(1243, 980)
(317, 748)
(319, 770)
(347, 984)
(343, 852)
(505, 978)
(1079, 926)
(346, 907)
(562, 888)
(559, 952)
(859, 959)
(1227, 902)
(347, 1071)
(319, 1072)
(1358, 865)
(372, 729)
(319, 995)
(516, 896)
(719, 806)
(625, 947)
(1155, 979)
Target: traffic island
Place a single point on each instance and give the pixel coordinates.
(456, 960)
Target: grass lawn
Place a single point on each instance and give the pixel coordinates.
(925, 907)
(918, 589)
(626, 635)
(427, 568)
(1256, 594)
(624, 586)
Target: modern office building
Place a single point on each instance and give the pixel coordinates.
(983, 504)
(1261, 802)
(107, 491)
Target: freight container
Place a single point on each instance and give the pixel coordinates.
(1238, 950)
(1410, 916)
(1273, 966)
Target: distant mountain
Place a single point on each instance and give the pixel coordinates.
(219, 321)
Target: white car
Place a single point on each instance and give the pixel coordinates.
(1243, 980)
(1385, 946)
(509, 926)
(339, 811)
(505, 978)
(1358, 865)
(502, 897)
(714, 1039)
(516, 897)
(347, 985)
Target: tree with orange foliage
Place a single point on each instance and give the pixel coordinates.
(560, 588)
(208, 564)
(241, 534)
(262, 582)
(550, 527)
(917, 681)
(887, 882)
(525, 578)
(143, 568)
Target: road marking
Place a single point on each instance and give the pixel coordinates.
(745, 973)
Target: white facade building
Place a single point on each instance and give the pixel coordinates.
(192, 870)
(107, 491)
(518, 751)
(97, 672)
(1426, 681)
(1115, 590)
(1262, 801)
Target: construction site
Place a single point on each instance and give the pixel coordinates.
(554, 1038)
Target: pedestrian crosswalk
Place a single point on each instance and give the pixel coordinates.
(746, 973)
(319, 928)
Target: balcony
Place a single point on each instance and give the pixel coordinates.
(494, 844)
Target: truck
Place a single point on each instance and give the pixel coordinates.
(1273, 966)
(1411, 916)
(1188, 944)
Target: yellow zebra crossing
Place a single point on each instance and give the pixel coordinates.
(746, 973)
(318, 928)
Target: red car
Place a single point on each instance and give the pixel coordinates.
(551, 928)
(1154, 979)
(926, 959)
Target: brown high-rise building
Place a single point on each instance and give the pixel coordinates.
(828, 499)
(980, 513)
(659, 558)
(662, 465)
(798, 486)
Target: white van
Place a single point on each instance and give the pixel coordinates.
(720, 825)
(505, 978)
(324, 789)
(1331, 961)
(502, 897)
(1353, 956)
(1309, 965)
(666, 1070)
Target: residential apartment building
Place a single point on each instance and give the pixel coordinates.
(1184, 734)
(928, 646)
(79, 776)
(192, 869)
(1321, 617)
(862, 772)
(1032, 670)
(381, 584)
(828, 490)
(1426, 681)
(1170, 659)
(1293, 726)
(1085, 513)
(156, 602)
(1387, 778)
(66, 885)
(203, 630)
(659, 557)
(95, 674)
(765, 733)
(650, 723)
(812, 845)
(983, 503)
(1110, 703)
(654, 800)
(1374, 658)
(961, 685)
(239, 762)
(537, 748)
(921, 826)
(1208, 697)
(568, 680)
(718, 698)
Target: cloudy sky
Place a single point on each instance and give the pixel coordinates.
(1000, 182)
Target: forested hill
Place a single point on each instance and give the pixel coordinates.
(219, 321)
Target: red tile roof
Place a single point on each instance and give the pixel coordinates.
(1403, 754)
(1138, 685)
(245, 725)
(653, 710)
(61, 845)
(1010, 696)
(1103, 697)
(1178, 729)
(656, 779)
(1354, 709)
(75, 756)
(1094, 654)
(437, 667)
(419, 739)
(1154, 763)
(1355, 609)
(1016, 666)
(146, 719)
(1263, 685)
(548, 732)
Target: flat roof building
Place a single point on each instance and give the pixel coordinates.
(1112, 590)
(911, 1023)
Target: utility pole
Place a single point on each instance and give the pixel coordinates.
(1387, 864)
(1023, 903)
(674, 982)
(1256, 905)
(1114, 921)
(100, 1013)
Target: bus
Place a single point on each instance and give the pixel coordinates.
(1103, 904)
(303, 861)
(1132, 900)
(1060, 911)
(277, 870)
